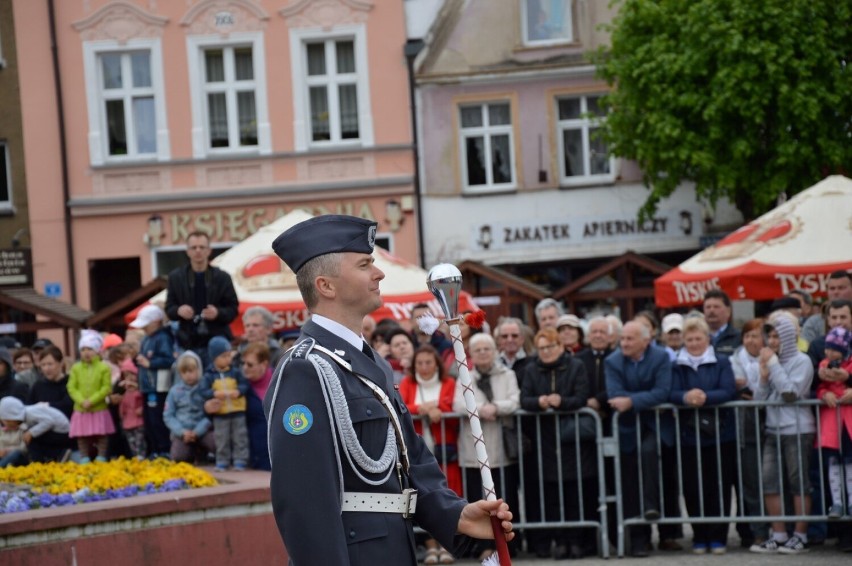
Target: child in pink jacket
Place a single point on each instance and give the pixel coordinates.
(838, 398)
(131, 409)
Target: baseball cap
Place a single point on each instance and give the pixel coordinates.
(569, 320)
(148, 314)
(671, 322)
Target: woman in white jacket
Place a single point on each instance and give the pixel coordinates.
(745, 363)
(786, 375)
(497, 398)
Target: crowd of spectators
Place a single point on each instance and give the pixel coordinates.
(698, 361)
(143, 397)
(158, 393)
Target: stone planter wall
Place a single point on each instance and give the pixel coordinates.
(228, 524)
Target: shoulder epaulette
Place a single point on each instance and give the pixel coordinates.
(300, 349)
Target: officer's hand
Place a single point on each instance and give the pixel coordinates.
(475, 519)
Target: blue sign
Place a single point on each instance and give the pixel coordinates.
(53, 290)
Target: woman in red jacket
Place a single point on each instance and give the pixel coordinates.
(428, 393)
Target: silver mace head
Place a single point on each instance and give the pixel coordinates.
(445, 281)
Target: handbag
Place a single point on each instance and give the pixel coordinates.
(510, 442)
(706, 422)
(581, 424)
(164, 380)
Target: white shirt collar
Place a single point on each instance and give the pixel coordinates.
(519, 355)
(339, 330)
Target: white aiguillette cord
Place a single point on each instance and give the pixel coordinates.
(381, 396)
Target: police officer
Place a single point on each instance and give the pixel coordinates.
(349, 474)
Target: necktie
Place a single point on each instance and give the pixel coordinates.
(368, 351)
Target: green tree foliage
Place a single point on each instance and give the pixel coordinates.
(747, 99)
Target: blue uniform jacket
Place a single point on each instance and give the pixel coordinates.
(717, 381)
(305, 480)
(648, 383)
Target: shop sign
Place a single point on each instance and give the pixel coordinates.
(16, 266)
(584, 231)
(236, 225)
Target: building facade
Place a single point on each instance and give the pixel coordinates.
(508, 108)
(14, 206)
(211, 115)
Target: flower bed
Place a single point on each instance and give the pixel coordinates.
(54, 485)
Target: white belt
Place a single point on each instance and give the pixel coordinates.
(404, 503)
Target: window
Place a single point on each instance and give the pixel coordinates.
(332, 90)
(546, 21)
(584, 156)
(5, 177)
(486, 143)
(126, 101)
(228, 89)
(332, 106)
(229, 94)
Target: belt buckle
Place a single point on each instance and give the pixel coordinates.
(409, 498)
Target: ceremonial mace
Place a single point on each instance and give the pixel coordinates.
(444, 281)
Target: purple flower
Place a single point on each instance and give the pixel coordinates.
(64, 499)
(46, 500)
(16, 503)
(174, 485)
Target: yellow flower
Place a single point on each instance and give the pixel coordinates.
(99, 477)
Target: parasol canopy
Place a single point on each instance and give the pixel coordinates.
(797, 245)
(261, 278)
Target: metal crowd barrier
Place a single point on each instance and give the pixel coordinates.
(746, 449)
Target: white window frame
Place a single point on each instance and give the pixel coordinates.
(545, 42)
(6, 204)
(299, 38)
(196, 45)
(486, 131)
(584, 124)
(98, 136)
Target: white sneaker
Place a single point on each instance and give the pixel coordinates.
(794, 545)
(769, 546)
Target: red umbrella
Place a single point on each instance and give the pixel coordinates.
(795, 246)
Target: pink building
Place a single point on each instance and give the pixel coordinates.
(212, 115)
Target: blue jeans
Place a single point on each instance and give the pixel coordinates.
(14, 458)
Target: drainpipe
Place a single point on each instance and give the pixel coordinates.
(412, 48)
(63, 153)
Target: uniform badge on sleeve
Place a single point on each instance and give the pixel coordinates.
(298, 419)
